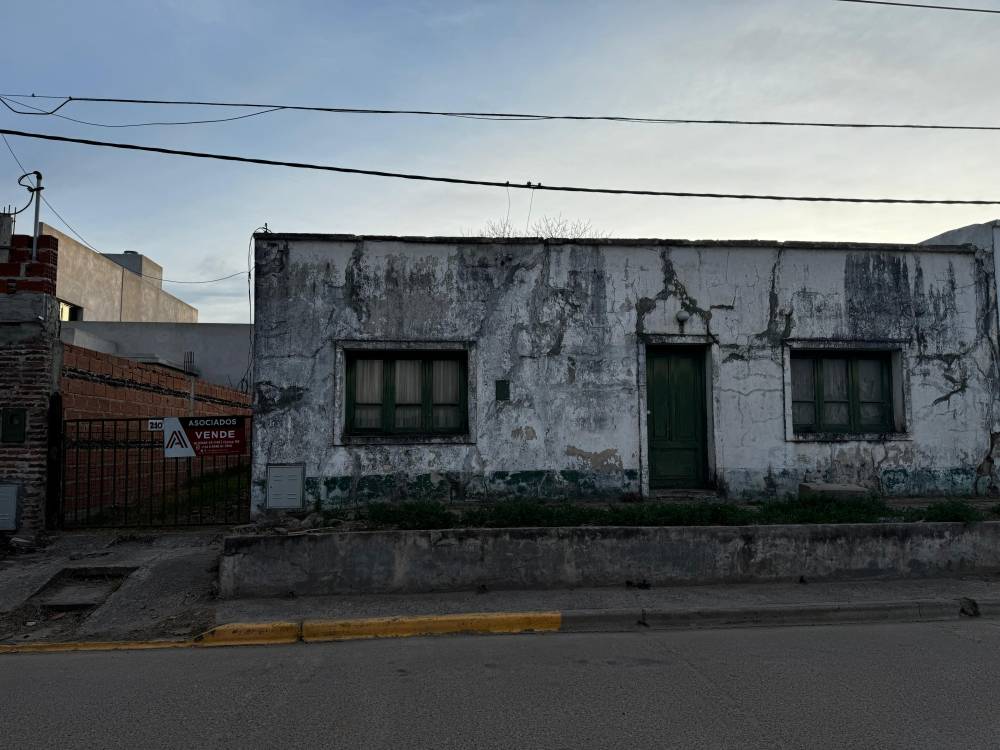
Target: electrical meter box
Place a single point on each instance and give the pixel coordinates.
(284, 486)
(8, 507)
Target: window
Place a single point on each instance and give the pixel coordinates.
(847, 392)
(407, 393)
(68, 312)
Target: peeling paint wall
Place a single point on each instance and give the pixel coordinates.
(567, 324)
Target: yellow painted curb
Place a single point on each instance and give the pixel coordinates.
(250, 633)
(57, 648)
(316, 631)
(401, 627)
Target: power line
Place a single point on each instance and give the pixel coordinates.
(45, 200)
(493, 183)
(5, 100)
(69, 226)
(14, 155)
(82, 240)
(197, 281)
(921, 5)
(500, 116)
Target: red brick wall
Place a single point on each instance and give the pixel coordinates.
(117, 481)
(100, 386)
(20, 274)
(36, 371)
(28, 367)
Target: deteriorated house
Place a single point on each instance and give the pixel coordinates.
(461, 368)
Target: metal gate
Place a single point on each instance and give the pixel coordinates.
(114, 474)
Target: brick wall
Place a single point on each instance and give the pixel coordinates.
(52, 382)
(29, 363)
(99, 386)
(19, 273)
(120, 476)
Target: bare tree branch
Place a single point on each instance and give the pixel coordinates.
(546, 227)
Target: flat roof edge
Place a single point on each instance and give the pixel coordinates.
(614, 242)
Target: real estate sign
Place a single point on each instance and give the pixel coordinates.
(189, 437)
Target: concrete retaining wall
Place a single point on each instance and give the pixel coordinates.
(461, 559)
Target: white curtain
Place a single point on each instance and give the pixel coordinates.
(368, 393)
(408, 393)
(446, 388)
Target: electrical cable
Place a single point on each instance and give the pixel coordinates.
(4, 101)
(67, 100)
(33, 191)
(18, 161)
(497, 183)
(502, 116)
(244, 384)
(921, 5)
(87, 244)
(31, 200)
(26, 174)
(531, 202)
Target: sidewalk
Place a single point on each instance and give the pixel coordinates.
(111, 584)
(149, 587)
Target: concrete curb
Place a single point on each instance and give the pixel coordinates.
(314, 631)
(573, 621)
(250, 634)
(598, 621)
(58, 648)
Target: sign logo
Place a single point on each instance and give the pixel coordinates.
(188, 437)
(176, 440)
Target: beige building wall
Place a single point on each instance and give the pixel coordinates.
(107, 291)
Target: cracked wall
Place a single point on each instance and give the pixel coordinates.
(567, 322)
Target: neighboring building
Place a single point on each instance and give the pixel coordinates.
(113, 287)
(216, 352)
(81, 431)
(462, 368)
(114, 303)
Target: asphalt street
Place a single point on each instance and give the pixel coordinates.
(853, 686)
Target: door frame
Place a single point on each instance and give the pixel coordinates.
(670, 341)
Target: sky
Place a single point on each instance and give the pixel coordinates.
(739, 59)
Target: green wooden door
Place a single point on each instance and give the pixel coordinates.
(675, 383)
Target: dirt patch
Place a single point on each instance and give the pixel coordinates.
(58, 607)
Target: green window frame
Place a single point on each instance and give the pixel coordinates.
(847, 392)
(407, 393)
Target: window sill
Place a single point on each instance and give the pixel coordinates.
(407, 440)
(848, 437)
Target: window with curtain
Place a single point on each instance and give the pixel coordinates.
(838, 391)
(406, 393)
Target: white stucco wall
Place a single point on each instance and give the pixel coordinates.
(568, 323)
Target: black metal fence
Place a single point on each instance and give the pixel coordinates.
(114, 473)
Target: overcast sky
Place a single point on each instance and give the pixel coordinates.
(751, 59)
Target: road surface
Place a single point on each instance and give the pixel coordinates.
(865, 686)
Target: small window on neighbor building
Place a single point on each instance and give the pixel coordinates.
(407, 393)
(842, 392)
(69, 312)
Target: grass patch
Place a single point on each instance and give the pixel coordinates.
(948, 510)
(868, 510)
(409, 515)
(522, 513)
